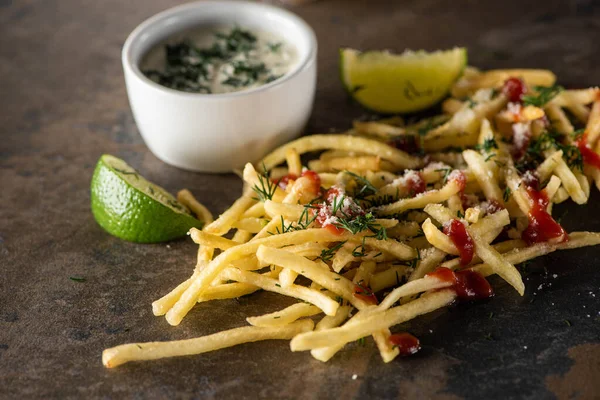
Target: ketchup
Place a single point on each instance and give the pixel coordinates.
(415, 183)
(514, 88)
(494, 206)
(542, 227)
(406, 343)
(315, 180)
(311, 175)
(589, 156)
(285, 180)
(457, 232)
(334, 229)
(365, 294)
(468, 284)
(407, 143)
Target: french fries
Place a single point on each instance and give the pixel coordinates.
(358, 235)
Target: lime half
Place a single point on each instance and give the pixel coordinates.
(129, 207)
(400, 83)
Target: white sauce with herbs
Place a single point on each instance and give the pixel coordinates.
(219, 60)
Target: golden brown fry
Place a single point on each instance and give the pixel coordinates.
(342, 142)
(124, 353)
(186, 198)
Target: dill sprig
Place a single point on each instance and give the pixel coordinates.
(265, 189)
(381, 200)
(366, 187)
(506, 195)
(327, 255)
(487, 145)
(447, 172)
(305, 218)
(544, 95)
(362, 223)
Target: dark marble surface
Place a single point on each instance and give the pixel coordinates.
(63, 104)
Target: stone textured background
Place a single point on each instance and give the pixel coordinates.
(63, 104)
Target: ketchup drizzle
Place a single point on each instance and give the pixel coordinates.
(311, 175)
(406, 343)
(514, 89)
(468, 284)
(365, 294)
(589, 156)
(542, 227)
(285, 180)
(416, 184)
(457, 232)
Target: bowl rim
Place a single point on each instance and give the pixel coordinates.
(129, 64)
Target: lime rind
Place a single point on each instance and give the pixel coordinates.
(400, 83)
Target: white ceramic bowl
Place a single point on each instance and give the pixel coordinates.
(220, 132)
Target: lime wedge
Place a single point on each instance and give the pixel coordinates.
(400, 83)
(129, 207)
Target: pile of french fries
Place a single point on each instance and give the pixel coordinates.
(276, 243)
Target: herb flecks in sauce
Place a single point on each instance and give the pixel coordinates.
(219, 61)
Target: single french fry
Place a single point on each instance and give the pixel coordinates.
(186, 198)
(438, 239)
(122, 354)
(560, 196)
(341, 258)
(241, 236)
(581, 112)
(287, 277)
(285, 316)
(206, 239)
(225, 222)
(433, 196)
(378, 128)
(362, 163)
(252, 225)
(578, 96)
(255, 211)
(397, 249)
(391, 277)
(342, 142)
(227, 291)
(290, 212)
(293, 161)
(558, 117)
